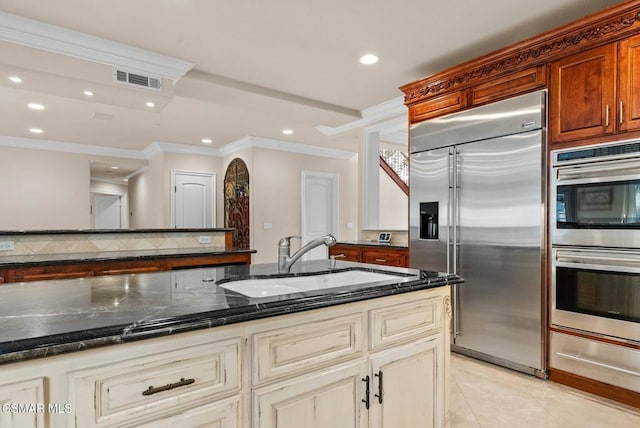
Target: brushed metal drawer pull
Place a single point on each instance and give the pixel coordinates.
(381, 260)
(597, 363)
(154, 390)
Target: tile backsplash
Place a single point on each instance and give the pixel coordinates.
(92, 243)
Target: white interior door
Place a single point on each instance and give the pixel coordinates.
(107, 212)
(319, 209)
(194, 199)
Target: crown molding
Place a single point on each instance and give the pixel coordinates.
(384, 110)
(163, 147)
(160, 147)
(58, 146)
(36, 34)
(305, 149)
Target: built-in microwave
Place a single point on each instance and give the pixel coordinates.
(595, 195)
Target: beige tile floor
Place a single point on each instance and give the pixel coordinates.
(484, 395)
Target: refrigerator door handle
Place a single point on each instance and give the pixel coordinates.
(453, 249)
(450, 207)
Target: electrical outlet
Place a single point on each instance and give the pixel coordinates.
(204, 239)
(7, 246)
(267, 226)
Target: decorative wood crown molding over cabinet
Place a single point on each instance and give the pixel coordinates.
(590, 68)
(527, 66)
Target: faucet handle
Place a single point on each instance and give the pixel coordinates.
(285, 242)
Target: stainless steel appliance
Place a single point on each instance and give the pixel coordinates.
(595, 195)
(597, 290)
(477, 208)
(595, 262)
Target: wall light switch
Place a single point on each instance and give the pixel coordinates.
(7, 245)
(204, 239)
(349, 225)
(267, 226)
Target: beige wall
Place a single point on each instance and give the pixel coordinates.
(43, 190)
(394, 204)
(276, 196)
(146, 197)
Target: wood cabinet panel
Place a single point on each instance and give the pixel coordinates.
(328, 398)
(141, 387)
(48, 272)
(345, 253)
(28, 392)
(629, 84)
(582, 95)
(438, 106)
(115, 267)
(401, 376)
(304, 347)
(508, 86)
(370, 254)
(384, 257)
(402, 322)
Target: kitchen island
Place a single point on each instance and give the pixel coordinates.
(211, 354)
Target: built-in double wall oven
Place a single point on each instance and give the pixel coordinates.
(595, 276)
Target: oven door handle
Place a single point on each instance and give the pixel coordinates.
(622, 170)
(615, 261)
(597, 363)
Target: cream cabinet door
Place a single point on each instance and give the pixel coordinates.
(326, 398)
(405, 385)
(22, 404)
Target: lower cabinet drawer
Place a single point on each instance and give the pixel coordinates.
(137, 390)
(292, 349)
(346, 254)
(615, 365)
(403, 322)
(384, 258)
(221, 414)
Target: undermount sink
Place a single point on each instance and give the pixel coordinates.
(268, 287)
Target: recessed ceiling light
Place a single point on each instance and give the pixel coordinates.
(150, 104)
(88, 93)
(287, 131)
(35, 106)
(206, 141)
(35, 130)
(368, 59)
(125, 179)
(115, 167)
(15, 79)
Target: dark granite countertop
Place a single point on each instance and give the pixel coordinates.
(46, 318)
(107, 231)
(372, 244)
(7, 262)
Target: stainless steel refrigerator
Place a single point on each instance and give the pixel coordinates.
(477, 208)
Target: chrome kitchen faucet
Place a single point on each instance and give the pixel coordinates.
(285, 261)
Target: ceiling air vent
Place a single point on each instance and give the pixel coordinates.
(137, 80)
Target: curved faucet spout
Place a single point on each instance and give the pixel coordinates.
(285, 261)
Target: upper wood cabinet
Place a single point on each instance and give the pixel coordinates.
(584, 99)
(582, 95)
(629, 84)
(438, 106)
(508, 86)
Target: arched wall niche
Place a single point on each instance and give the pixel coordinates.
(236, 202)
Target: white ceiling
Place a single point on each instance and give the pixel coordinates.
(260, 66)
